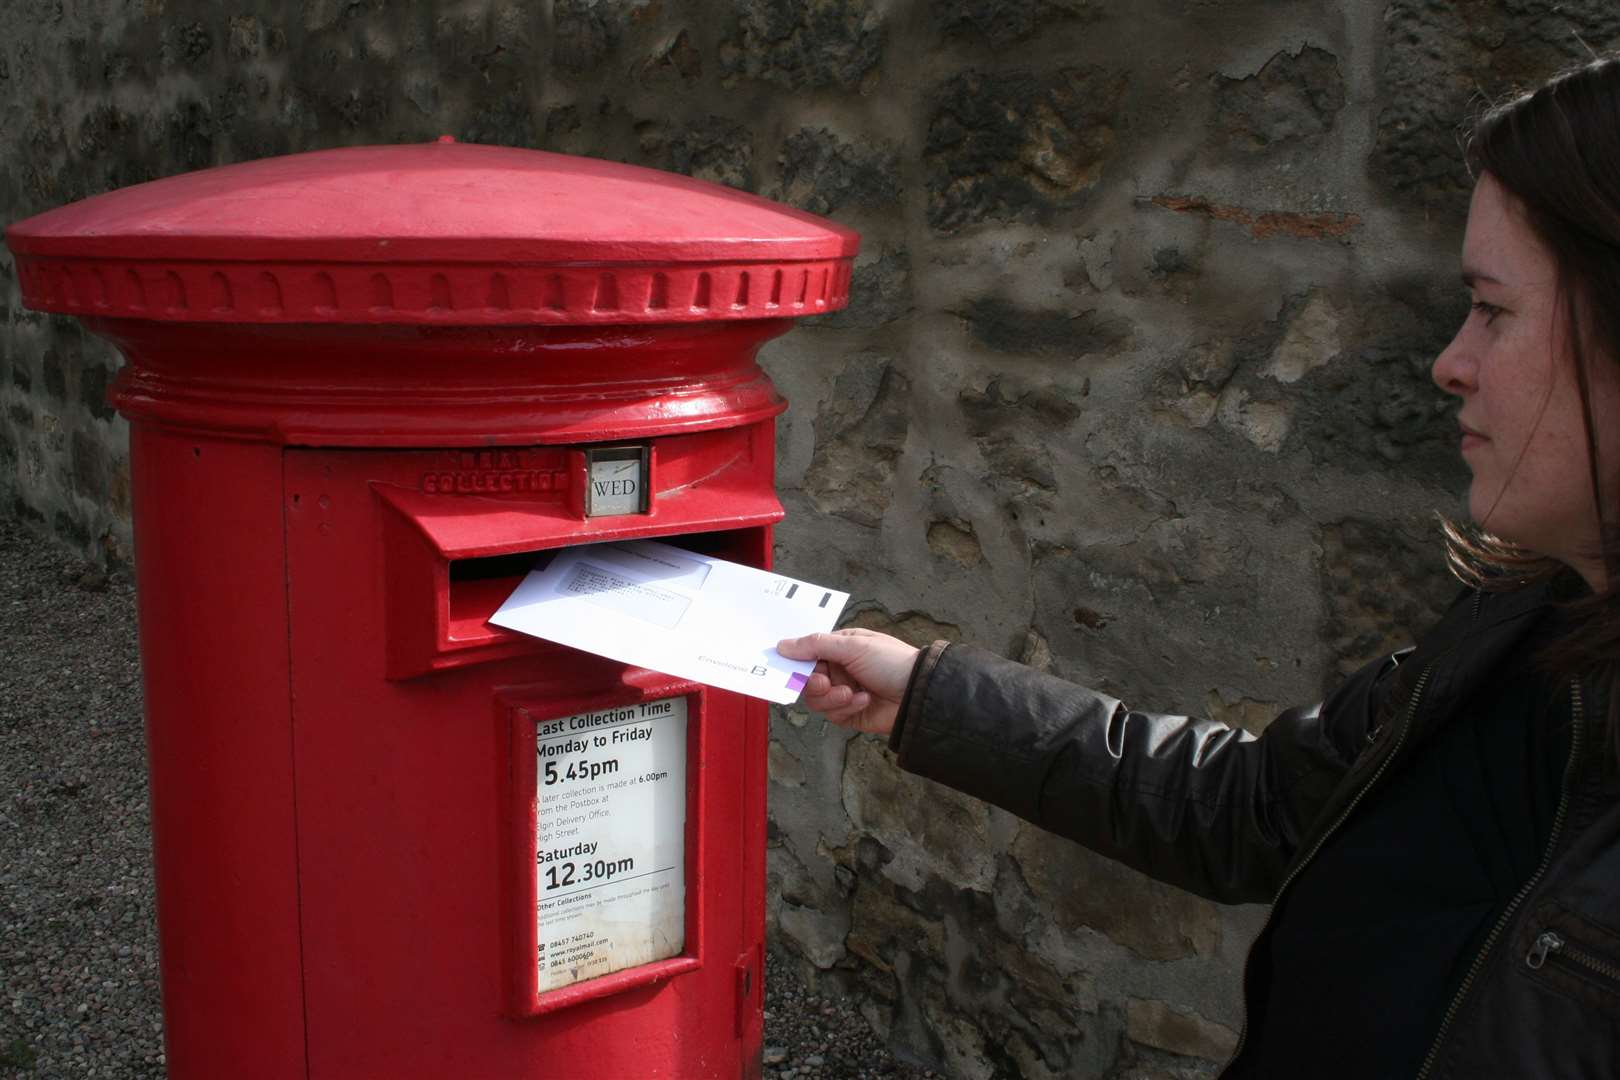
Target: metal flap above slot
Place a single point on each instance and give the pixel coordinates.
(449, 567)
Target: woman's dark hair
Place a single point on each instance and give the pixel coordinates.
(1556, 150)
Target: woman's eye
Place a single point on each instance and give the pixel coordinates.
(1490, 311)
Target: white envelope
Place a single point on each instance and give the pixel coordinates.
(692, 616)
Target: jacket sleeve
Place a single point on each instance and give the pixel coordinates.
(1206, 807)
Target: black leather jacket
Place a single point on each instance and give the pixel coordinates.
(1233, 817)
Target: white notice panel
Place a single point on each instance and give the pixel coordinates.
(610, 864)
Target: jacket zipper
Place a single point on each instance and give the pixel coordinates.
(1551, 943)
(1406, 726)
(1577, 731)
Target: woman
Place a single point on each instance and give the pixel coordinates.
(1441, 837)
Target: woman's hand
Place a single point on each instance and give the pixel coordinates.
(860, 676)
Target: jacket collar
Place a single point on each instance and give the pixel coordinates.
(1481, 633)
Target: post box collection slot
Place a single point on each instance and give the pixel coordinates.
(478, 586)
(498, 567)
(447, 572)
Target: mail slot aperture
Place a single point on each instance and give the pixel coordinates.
(479, 585)
(648, 603)
(448, 558)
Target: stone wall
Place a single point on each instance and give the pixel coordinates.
(1133, 387)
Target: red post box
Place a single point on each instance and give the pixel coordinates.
(365, 387)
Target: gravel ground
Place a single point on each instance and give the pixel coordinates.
(78, 945)
(78, 941)
(811, 1037)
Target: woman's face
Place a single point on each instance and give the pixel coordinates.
(1522, 431)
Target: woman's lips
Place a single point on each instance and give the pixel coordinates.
(1471, 438)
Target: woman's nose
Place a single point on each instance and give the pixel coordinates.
(1453, 371)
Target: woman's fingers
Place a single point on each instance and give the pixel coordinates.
(830, 698)
(857, 704)
(824, 677)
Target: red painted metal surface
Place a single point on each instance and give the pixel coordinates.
(361, 386)
(437, 234)
(417, 780)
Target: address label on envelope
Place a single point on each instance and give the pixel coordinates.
(692, 616)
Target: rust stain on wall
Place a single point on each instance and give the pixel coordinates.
(1264, 224)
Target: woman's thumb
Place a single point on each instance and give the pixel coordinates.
(839, 648)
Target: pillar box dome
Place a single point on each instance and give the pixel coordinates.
(397, 291)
